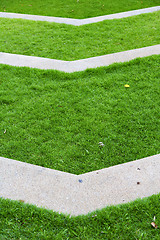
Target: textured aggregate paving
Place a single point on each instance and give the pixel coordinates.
(79, 194)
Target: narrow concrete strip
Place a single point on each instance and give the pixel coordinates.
(79, 194)
(78, 65)
(120, 15)
(79, 22)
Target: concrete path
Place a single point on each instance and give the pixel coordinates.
(79, 22)
(79, 194)
(78, 65)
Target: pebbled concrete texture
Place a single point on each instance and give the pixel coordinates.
(79, 194)
(79, 22)
(78, 65)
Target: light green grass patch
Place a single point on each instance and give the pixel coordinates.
(56, 120)
(74, 8)
(128, 221)
(64, 42)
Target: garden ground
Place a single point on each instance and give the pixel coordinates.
(131, 115)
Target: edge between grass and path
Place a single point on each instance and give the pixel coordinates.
(139, 219)
(77, 65)
(19, 219)
(79, 22)
(79, 194)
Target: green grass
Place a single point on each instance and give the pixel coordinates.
(128, 221)
(56, 120)
(60, 41)
(72, 8)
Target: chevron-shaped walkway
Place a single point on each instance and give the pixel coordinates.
(79, 22)
(78, 65)
(79, 194)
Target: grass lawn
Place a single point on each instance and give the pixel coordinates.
(60, 41)
(56, 120)
(128, 221)
(74, 8)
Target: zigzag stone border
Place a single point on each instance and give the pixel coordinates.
(78, 65)
(79, 22)
(79, 194)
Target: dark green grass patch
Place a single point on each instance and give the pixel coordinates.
(128, 221)
(74, 8)
(60, 41)
(57, 120)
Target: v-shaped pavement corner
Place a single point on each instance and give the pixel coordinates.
(78, 65)
(79, 194)
(79, 22)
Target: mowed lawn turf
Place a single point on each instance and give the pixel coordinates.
(128, 221)
(65, 42)
(57, 120)
(74, 9)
